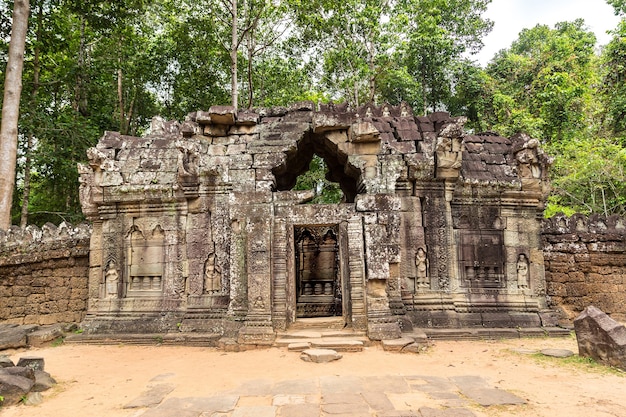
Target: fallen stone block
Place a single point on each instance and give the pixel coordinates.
(44, 335)
(13, 388)
(5, 361)
(21, 371)
(33, 398)
(601, 338)
(396, 345)
(43, 381)
(319, 355)
(298, 346)
(15, 337)
(557, 353)
(415, 348)
(35, 363)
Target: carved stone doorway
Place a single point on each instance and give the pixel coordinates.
(318, 277)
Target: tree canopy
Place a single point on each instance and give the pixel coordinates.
(95, 65)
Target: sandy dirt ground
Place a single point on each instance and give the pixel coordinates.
(100, 380)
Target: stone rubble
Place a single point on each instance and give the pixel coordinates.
(23, 382)
(601, 338)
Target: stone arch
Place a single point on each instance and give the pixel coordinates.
(298, 159)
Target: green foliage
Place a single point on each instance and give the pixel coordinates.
(613, 86)
(544, 83)
(437, 33)
(326, 192)
(589, 176)
(618, 5)
(113, 65)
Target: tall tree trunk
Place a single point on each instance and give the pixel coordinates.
(120, 101)
(372, 72)
(251, 45)
(120, 91)
(234, 43)
(33, 106)
(80, 96)
(11, 109)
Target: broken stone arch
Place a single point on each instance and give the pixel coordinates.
(340, 170)
(438, 228)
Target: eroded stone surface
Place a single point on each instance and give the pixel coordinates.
(200, 222)
(319, 355)
(153, 396)
(601, 338)
(557, 353)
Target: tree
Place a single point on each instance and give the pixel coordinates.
(544, 83)
(10, 109)
(436, 35)
(618, 5)
(613, 85)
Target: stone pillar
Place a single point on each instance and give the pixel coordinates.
(279, 261)
(258, 328)
(356, 265)
(380, 213)
(95, 267)
(437, 236)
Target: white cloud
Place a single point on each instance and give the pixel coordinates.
(511, 16)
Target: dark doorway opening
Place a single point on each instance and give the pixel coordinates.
(318, 278)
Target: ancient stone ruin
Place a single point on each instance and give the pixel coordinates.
(196, 226)
(601, 338)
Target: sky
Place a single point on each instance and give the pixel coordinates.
(511, 16)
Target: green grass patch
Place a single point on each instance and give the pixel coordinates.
(579, 363)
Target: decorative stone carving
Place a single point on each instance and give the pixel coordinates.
(111, 280)
(212, 276)
(532, 163)
(203, 221)
(188, 160)
(523, 274)
(421, 269)
(449, 157)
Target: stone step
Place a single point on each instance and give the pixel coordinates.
(317, 334)
(145, 339)
(339, 345)
(470, 333)
(318, 323)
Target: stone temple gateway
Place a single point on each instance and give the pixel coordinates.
(196, 226)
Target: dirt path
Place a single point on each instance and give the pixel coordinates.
(100, 380)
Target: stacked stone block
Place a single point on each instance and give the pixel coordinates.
(586, 264)
(43, 274)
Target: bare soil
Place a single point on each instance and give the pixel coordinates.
(100, 380)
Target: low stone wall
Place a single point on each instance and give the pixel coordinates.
(585, 261)
(43, 274)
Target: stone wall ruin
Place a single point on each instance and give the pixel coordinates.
(586, 264)
(196, 226)
(43, 274)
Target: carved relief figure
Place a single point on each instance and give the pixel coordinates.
(522, 271)
(529, 166)
(212, 276)
(111, 279)
(449, 149)
(421, 267)
(448, 153)
(404, 112)
(187, 162)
